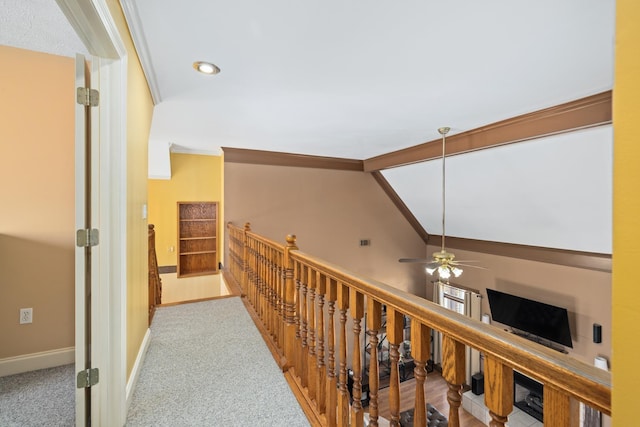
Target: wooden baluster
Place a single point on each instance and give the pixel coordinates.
(304, 317)
(266, 272)
(275, 289)
(343, 393)
(278, 289)
(498, 390)
(289, 302)
(558, 410)
(356, 304)
(321, 377)
(311, 341)
(256, 276)
(453, 371)
(272, 293)
(420, 351)
(261, 282)
(395, 332)
(282, 300)
(250, 261)
(245, 259)
(254, 265)
(332, 384)
(298, 363)
(374, 323)
(276, 293)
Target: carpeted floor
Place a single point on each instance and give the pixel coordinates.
(207, 365)
(39, 398)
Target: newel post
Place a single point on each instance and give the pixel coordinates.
(245, 260)
(289, 301)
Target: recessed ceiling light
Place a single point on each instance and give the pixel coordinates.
(206, 67)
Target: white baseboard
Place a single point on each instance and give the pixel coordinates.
(135, 372)
(35, 361)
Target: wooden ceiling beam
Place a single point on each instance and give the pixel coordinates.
(583, 113)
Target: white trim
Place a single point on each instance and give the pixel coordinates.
(175, 148)
(131, 14)
(95, 26)
(35, 361)
(137, 366)
(91, 27)
(163, 177)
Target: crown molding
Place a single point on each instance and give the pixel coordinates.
(272, 158)
(131, 14)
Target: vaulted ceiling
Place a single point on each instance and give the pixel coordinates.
(360, 79)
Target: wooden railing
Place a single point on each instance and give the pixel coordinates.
(296, 297)
(155, 283)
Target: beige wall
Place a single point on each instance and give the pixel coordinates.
(37, 194)
(193, 178)
(139, 113)
(329, 211)
(586, 294)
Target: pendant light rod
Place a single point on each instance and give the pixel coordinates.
(443, 131)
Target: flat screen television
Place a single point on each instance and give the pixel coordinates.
(533, 317)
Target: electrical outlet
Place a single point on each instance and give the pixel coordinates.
(26, 315)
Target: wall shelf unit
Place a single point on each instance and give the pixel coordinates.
(197, 238)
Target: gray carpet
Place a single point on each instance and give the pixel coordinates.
(39, 398)
(207, 365)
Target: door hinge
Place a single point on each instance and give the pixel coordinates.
(88, 378)
(88, 97)
(87, 238)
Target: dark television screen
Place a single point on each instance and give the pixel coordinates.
(543, 320)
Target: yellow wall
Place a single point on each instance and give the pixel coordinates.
(626, 214)
(139, 113)
(193, 178)
(37, 198)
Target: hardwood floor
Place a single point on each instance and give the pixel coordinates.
(435, 393)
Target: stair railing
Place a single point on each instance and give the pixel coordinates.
(155, 283)
(296, 297)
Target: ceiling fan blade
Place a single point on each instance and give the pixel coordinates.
(421, 260)
(472, 266)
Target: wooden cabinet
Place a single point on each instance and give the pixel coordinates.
(197, 238)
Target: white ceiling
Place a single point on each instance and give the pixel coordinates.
(550, 192)
(357, 79)
(38, 25)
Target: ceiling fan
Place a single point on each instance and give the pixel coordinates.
(443, 263)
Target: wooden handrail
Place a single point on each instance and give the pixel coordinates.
(287, 286)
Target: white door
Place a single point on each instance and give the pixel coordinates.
(87, 238)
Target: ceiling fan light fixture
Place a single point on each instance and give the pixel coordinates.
(457, 272)
(431, 270)
(444, 272)
(206, 67)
